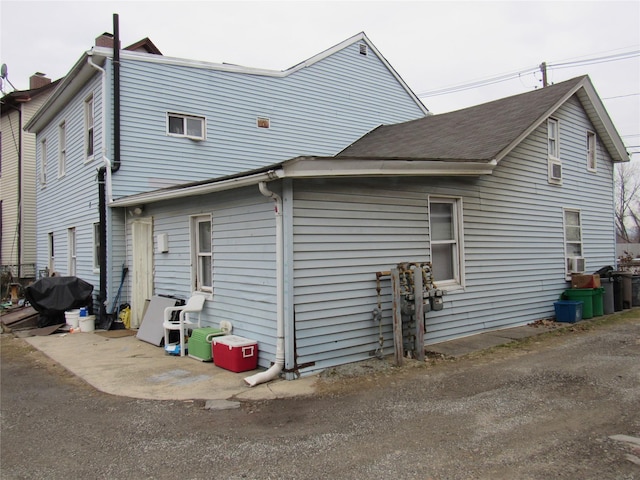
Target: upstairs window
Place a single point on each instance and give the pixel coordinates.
(43, 162)
(591, 152)
(553, 152)
(62, 149)
(89, 127)
(188, 126)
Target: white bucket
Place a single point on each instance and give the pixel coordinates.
(88, 324)
(72, 317)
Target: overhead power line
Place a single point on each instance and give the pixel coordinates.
(509, 76)
(591, 61)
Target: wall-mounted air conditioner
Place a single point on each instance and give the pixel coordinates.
(576, 264)
(555, 170)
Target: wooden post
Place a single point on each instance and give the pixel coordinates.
(397, 317)
(419, 312)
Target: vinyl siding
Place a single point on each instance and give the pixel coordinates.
(243, 257)
(9, 185)
(318, 110)
(29, 183)
(9, 188)
(346, 230)
(71, 200)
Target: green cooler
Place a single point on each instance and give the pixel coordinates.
(200, 343)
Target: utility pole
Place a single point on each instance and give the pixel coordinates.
(543, 69)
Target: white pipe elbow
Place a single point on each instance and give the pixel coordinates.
(265, 376)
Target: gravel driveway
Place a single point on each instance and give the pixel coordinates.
(563, 405)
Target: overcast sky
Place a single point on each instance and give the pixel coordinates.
(430, 44)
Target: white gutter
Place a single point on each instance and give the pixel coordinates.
(203, 189)
(312, 167)
(276, 368)
(103, 147)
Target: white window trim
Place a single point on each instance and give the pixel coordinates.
(564, 236)
(553, 158)
(186, 116)
(96, 247)
(458, 282)
(592, 152)
(90, 100)
(71, 252)
(43, 162)
(52, 255)
(194, 222)
(555, 154)
(62, 149)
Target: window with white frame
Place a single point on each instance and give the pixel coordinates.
(189, 126)
(553, 152)
(445, 228)
(43, 162)
(62, 149)
(71, 245)
(52, 254)
(573, 240)
(202, 272)
(591, 152)
(89, 120)
(96, 246)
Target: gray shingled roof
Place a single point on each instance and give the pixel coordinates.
(476, 133)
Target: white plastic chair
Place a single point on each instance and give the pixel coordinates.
(184, 322)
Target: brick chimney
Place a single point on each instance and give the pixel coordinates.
(105, 40)
(38, 80)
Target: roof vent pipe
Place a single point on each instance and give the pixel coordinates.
(277, 367)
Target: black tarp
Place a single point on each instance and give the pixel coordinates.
(52, 296)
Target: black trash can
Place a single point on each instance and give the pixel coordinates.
(623, 300)
(635, 291)
(616, 280)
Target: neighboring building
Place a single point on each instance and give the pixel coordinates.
(159, 122)
(505, 199)
(17, 178)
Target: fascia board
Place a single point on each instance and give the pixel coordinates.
(224, 67)
(203, 189)
(315, 167)
(604, 126)
(603, 123)
(542, 118)
(310, 167)
(393, 72)
(65, 91)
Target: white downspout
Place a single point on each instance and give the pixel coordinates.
(277, 367)
(103, 148)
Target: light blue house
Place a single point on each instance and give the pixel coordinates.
(505, 199)
(126, 122)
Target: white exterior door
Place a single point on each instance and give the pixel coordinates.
(142, 275)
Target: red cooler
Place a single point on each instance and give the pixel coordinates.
(235, 353)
